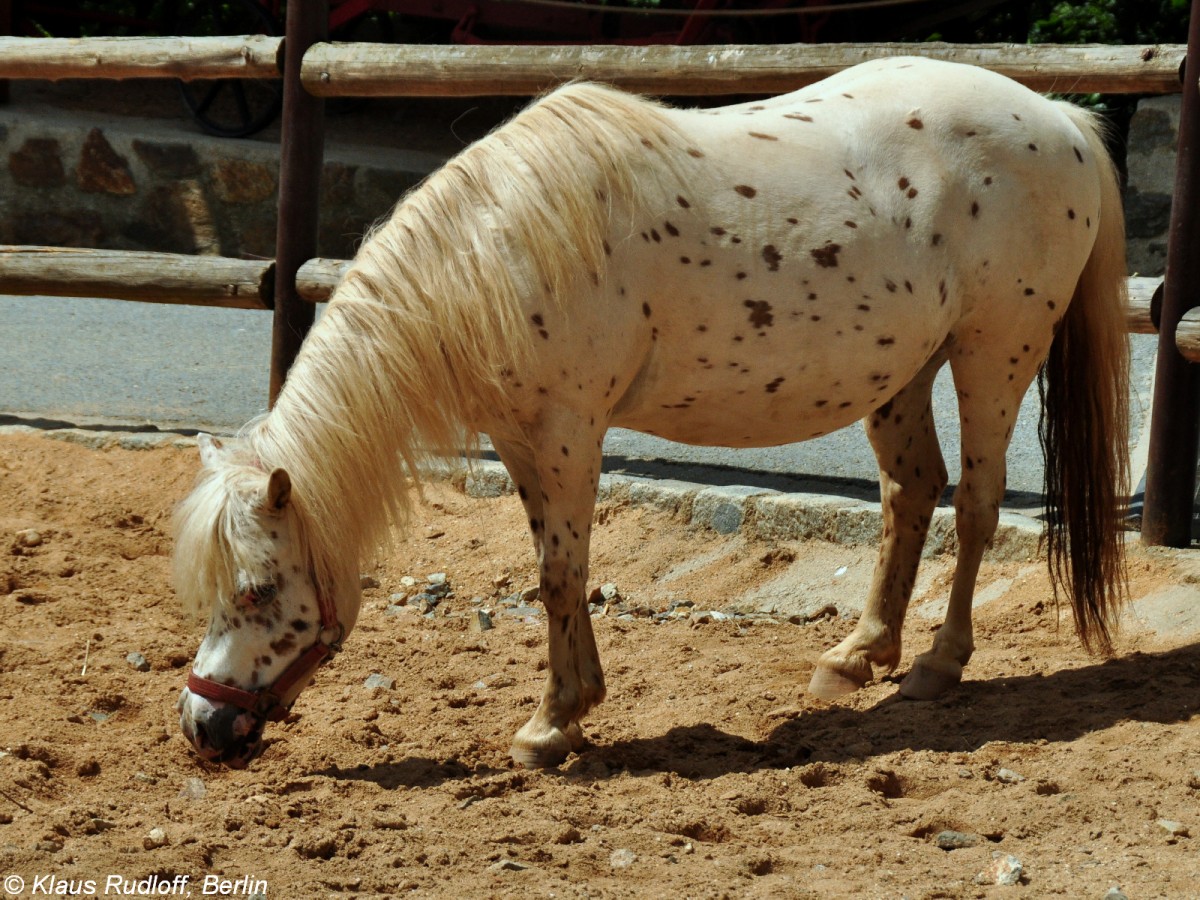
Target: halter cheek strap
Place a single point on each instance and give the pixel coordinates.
(267, 702)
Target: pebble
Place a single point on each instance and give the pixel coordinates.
(622, 859)
(398, 610)
(956, 840)
(522, 611)
(376, 680)
(193, 789)
(29, 538)
(1172, 828)
(1194, 780)
(609, 591)
(509, 865)
(408, 581)
(1115, 893)
(155, 839)
(436, 578)
(1008, 776)
(528, 595)
(1005, 869)
(479, 621)
(367, 582)
(138, 661)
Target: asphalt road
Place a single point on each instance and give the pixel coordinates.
(109, 363)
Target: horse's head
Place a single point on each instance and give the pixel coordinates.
(241, 554)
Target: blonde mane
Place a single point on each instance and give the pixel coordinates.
(433, 310)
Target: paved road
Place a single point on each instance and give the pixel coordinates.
(105, 362)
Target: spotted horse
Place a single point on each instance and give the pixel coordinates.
(745, 276)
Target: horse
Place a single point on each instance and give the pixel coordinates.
(745, 276)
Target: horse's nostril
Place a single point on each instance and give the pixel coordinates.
(199, 736)
(220, 728)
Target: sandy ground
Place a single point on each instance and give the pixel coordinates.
(709, 772)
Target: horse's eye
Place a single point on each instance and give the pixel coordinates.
(261, 594)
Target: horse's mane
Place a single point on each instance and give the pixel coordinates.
(433, 312)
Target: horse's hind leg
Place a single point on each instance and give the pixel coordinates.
(912, 477)
(558, 488)
(991, 376)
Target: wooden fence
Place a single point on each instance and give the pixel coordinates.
(314, 69)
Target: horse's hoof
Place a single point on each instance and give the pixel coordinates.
(542, 748)
(829, 683)
(930, 679)
(575, 736)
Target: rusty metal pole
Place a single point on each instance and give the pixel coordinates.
(1175, 421)
(301, 151)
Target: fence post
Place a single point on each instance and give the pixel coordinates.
(301, 152)
(1175, 421)
(6, 27)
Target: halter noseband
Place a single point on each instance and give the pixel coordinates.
(266, 702)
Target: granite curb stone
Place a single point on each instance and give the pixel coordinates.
(757, 513)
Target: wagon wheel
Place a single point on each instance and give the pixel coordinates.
(231, 107)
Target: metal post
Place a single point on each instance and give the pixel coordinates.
(6, 27)
(301, 151)
(1175, 421)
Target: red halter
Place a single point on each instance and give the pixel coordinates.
(266, 702)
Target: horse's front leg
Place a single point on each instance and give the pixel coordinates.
(560, 507)
(912, 476)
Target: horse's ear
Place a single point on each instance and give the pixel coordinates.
(210, 449)
(279, 491)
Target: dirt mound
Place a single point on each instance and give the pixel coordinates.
(710, 773)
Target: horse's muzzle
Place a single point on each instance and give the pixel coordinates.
(220, 732)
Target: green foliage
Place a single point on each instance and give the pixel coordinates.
(1111, 22)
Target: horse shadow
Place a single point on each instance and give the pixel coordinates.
(1162, 687)
(1062, 706)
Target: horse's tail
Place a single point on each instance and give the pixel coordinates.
(1084, 427)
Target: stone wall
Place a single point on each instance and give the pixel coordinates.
(115, 183)
(1153, 137)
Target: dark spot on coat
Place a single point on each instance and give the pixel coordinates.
(1070, 214)
(671, 229)
(774, 385)
(826, 256)
(772, 257)
(760, 313)
(916, 123)
(657, 237)
(682, 201)
(646, 310)
(537, 320)
(717, 230)
(974, 210)
(935, 240)
(763, 137)
(694, 153)
(799, 117)
(746, 191)
(885, 341)
(1078, 155)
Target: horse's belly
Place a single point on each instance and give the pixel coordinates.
(779, 390)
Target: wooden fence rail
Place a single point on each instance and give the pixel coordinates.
(397, 70)
(249, 284)
(391, 70)
(52, 59)
(135, 275)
